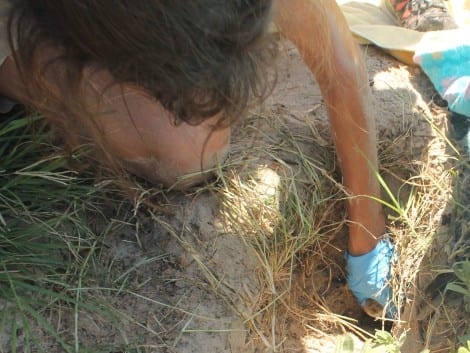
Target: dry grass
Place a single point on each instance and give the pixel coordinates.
(280, 193)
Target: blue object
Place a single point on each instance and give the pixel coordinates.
(369, 275)
(447, 64)
(444, 56)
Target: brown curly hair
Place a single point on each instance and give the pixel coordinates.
(197, 58)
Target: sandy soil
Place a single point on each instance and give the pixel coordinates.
(190, 285)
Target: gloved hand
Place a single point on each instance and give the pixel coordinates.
(368, 277)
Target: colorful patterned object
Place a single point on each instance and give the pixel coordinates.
(447, 64)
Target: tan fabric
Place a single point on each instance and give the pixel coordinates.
(373, 21)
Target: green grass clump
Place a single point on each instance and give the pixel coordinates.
(48, 244)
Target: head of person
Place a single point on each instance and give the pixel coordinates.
(197, 58)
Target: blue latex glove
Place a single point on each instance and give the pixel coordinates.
(368, 275)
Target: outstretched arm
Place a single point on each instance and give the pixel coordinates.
(319, 31)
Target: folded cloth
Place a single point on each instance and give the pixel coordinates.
(369, 275)
(374, 22)
(445, 58)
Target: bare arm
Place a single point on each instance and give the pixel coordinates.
(318, 29)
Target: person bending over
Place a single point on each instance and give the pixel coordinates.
(156, 84)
